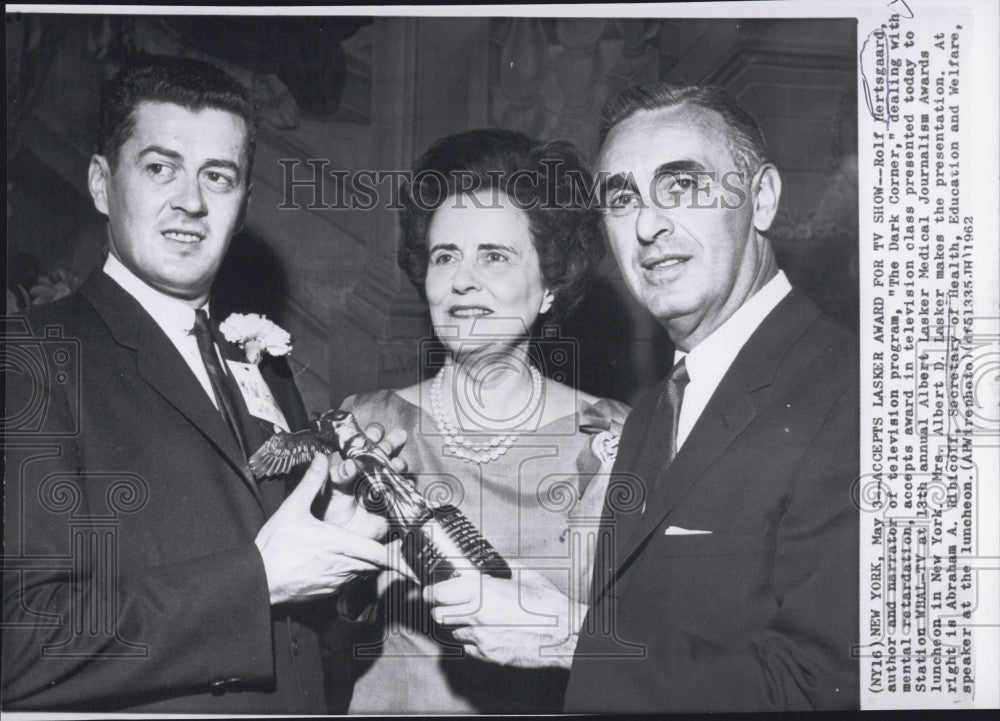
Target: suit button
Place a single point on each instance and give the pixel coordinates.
(217, 688)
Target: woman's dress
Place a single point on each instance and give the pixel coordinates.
(536, 504)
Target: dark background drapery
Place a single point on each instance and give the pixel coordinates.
(371, 93)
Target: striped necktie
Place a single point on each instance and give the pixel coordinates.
(228, 405)
(670, 405)
(660, 446)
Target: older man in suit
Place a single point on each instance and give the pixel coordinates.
(205, 599)
(732, 582)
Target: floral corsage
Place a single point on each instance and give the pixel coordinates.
(256, 335)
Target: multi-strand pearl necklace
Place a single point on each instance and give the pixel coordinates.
(482, 452)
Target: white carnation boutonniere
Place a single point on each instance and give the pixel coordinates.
(256, 335)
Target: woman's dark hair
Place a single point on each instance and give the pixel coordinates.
(549, 182)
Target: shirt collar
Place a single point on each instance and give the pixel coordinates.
(173, 315)
(711, 358)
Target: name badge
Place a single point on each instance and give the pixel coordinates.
(260, 402)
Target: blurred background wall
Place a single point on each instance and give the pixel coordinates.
(350, 94)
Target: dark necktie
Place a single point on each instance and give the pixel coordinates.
(661, 442)
(670, 404)
(223, 391)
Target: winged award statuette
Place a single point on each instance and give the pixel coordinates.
(283, 451)
(436, 539)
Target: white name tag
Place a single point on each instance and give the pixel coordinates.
(257, 395)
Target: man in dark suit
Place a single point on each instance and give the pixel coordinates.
(731, 581)
(145, 568)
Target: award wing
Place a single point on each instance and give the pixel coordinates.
(283, 451)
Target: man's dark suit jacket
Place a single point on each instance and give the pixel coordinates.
(140, 449)
(762, 612)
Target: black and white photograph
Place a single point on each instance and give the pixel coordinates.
(502, 360)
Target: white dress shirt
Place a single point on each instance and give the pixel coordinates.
(175, 318)
(709, 361)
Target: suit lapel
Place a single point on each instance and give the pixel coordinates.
(163, 368)
(278, 378)
(729, 411)
(627, 482)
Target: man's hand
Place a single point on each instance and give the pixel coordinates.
(525, 622)
(305, 557)
(341, 499)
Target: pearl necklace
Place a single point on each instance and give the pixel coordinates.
(461, 447)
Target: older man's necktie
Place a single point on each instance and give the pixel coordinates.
(670, 402)
(661, 442)
(223, 391)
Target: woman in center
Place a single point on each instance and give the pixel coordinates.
(499, 243)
